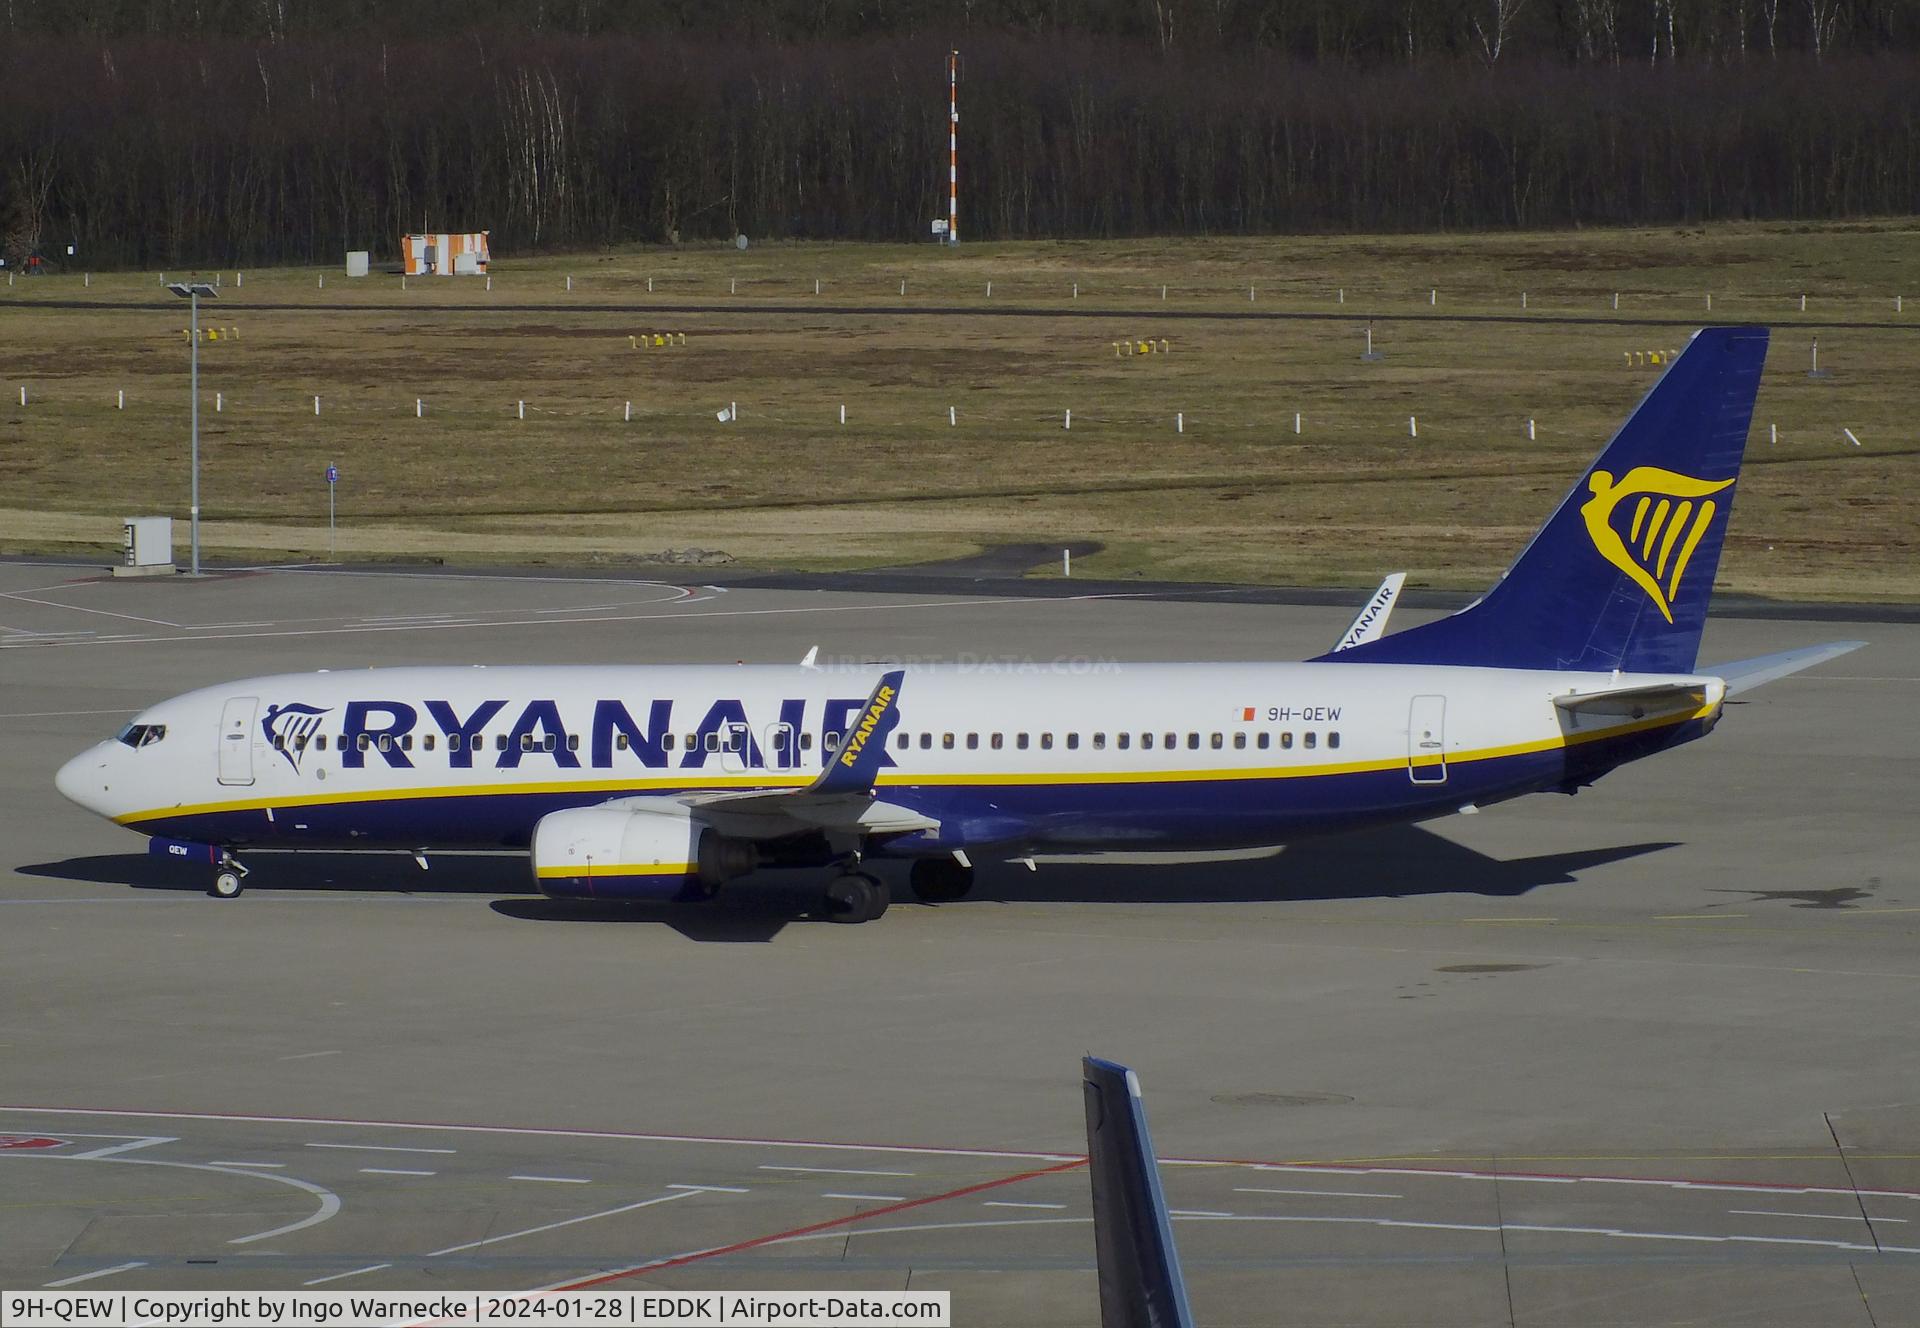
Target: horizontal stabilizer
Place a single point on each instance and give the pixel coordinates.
(1746, 674)
(1140, 1281)
(1639, 701)
(1372, 619)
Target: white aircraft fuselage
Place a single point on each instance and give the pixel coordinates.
(1142, 755)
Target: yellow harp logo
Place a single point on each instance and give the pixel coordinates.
(1663, 532)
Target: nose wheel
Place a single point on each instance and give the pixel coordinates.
(856, 897)
(228, 882)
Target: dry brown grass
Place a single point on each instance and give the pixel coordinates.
(1237, 496)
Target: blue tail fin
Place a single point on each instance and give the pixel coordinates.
(1620, 575)
(1140, 1281)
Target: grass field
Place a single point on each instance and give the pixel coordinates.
(1236, 495)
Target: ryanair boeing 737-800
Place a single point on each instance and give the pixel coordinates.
(630, 782)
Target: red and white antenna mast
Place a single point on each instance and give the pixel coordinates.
(953, 147)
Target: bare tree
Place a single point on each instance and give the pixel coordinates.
(1823, 17)
(1502, 16)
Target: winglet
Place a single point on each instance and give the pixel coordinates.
(1140, 1281)
(1372, 619)
(808, 661)
(851, 769)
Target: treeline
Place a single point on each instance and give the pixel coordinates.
(162, 152)
(1316, 30)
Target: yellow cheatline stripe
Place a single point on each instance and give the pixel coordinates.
(896, 779)
(618, 869)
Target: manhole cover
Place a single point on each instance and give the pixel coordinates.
(1487, 968)
(1281, 1099)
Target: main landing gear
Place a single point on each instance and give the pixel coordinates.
(227, 881)
(940, 880)
(856, 897)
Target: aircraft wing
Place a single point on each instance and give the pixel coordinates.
(1140, 1281)
(840, 797)
(1746, 674)
(1372, 619)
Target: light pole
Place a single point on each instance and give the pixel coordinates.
(192, 291)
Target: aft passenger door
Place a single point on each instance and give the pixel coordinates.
(236, 740)
(1427, 740)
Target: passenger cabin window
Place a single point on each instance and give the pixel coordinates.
(902, 742)
(806, 742)
(499, 742)
(1122, 739)
(1263, 740)
(453, 742)
(1193, 742)
(323, 742)
(620, 742)
(1308, 739)
(1046, 742)
(1172, 741)
(946, 742)
(926, 742)
(1216, 742)
(1146, 742)
(1333, 739)
(426, 743)
(973, 742)
(1286, 741)
(996, 742)
(573, 742)
(1020, 741)
(363, 743)
(1073, 741)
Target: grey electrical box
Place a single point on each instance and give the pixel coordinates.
(356, 262)
(147, 546)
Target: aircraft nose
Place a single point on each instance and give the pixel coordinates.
(83, 780)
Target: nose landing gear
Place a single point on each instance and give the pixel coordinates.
(227, 881)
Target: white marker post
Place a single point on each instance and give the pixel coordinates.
(523, 409)
(419, 408)
(1296, 421)
(1523, 299)
(1433, 296)
(120, 399)
(903, 287)
(989, 290)
(1413, 427)
(733, 286)
(1616, 301)
(953, 417)
(316, 407)
(1066, 562)
(219, 402)
(333, 478)
(1180, 422)
(843, 412)
(816, 285)
(1803, 304)
(1850, 437)
(569, 283)
(1773, 435)
(1069, 423)
(1529, 428)
(627, 417)
(1076, 290)
(1163, 293)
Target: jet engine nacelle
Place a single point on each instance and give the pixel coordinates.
(623, 853)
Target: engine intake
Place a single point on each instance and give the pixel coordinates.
(622, 853)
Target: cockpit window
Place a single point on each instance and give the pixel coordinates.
(141, 735)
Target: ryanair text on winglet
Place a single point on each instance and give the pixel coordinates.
(882, 698)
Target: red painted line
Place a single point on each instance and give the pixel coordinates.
(778, 1236)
